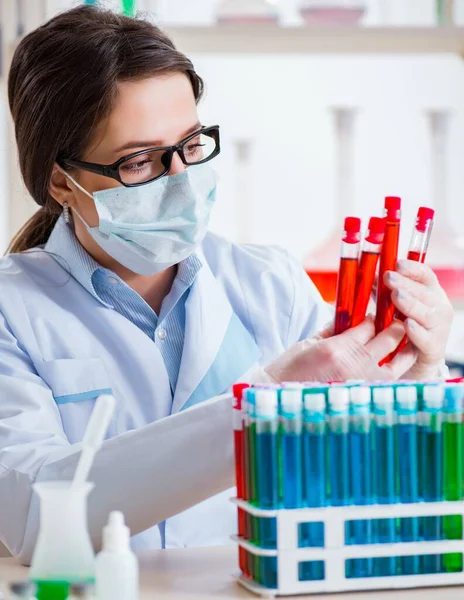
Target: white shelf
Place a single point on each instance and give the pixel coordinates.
(266, 38)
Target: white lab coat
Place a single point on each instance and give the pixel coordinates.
(60, 348)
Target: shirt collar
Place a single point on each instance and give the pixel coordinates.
(67, 250)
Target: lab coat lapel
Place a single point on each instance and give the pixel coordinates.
(218, 349)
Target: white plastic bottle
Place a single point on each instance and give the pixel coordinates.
(117, 569)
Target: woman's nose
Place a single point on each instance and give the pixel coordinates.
(177, 166)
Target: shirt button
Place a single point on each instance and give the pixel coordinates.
(112, 280)
(161, 333)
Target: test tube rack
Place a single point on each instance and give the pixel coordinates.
(335, 552)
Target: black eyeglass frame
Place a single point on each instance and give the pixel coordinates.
(112, 171)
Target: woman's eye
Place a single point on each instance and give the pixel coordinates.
(136, 166)
(194, 148)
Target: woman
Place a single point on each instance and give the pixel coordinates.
(114, 286)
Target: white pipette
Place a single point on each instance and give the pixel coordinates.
(93, 437)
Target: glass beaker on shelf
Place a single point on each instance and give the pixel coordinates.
(63, 554)
(332, 12)
(247, 11)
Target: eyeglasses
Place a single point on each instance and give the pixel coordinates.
(145, 166)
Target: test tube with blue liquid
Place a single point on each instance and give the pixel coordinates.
(339, 445)
(267, 475)
(431, 469)
(384, 472)
(360, 532)
(252, 522)
(291, 408)
(408, 468)
(314, 478)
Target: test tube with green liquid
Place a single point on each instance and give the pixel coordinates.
(452, 437)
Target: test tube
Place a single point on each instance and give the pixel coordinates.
(361, 473)
(385, 308)
(418, 246)
(291, 404)
(314, 478)
(384, 471)
(431, 468)
(408, 466)
(267, 475)
(251, 526)
(453, 471)
(240, 475)
(346, 283)
(339, 457)
(367, 268)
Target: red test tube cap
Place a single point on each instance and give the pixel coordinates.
(393, 203)
(237, 391)
(424, 216)
(376, 230)
(352, 228)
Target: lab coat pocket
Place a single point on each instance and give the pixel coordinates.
(76, 384)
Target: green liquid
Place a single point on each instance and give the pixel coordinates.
(55, 589)
(128, 8)
(452, 525)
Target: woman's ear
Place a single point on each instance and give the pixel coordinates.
(59, 187)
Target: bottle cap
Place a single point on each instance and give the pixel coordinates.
(314, 402)
(454, 395)
(339, 398)
(266, 403)
(392, 203)
(352, 229)
(360, 396)
(291, 401)
(116, 536)
(406, 396)
(434, 396)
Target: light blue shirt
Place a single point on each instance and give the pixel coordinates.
(166, 330)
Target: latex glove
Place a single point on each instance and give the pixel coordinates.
(354, 354)
(417, 294)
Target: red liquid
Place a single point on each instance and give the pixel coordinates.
(417, 257)
(364, 283)
(345, 293)
(241, 493)
(385, 307)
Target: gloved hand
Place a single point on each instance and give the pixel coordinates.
(354, 354)
(418, 295)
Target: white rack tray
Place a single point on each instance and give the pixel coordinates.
(335, 552)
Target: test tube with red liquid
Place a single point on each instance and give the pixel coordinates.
(388, 256)
(367, 268)
(240, 477)
(346, 283)
(417, 252)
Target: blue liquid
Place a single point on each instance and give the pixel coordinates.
(431, 483)
(314, 483)
(360, 532)
(266, 471)
(292, 470)
(269, 571)
(385, 492)
(339, 468)
(409, 490)
(267, 532)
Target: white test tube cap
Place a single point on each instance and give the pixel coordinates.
(314, 402)
(360, 395)
(266, 403)
(384, 396)
(434, 396)
(291, 401)
(406, 395)
(339, 398)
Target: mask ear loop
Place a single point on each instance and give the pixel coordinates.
(67, 208)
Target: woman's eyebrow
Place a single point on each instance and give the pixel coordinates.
(153, 144)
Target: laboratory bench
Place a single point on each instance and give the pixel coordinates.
(203, 573)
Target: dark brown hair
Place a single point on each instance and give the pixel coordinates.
(62, 83)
